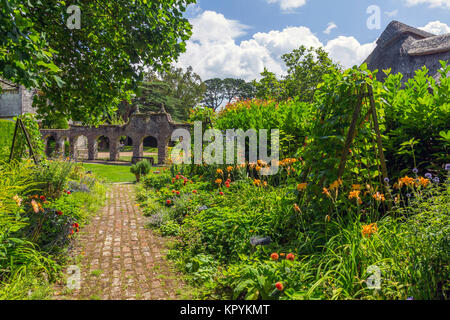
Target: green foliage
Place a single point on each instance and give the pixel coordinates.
(141, 168)
(420, 110)
(306, 68)
(219, 91)
(176, 89)
(25, 56)
(103, 62)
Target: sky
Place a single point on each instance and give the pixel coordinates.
(239, 38)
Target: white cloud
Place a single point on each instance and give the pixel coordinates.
(288, 4)
(213, 50)
(348, 51)
(330, 27)
(436, 27)
(392, 13)
(431, 3)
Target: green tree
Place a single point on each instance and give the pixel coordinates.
(25, 57)
(305, 70)
(176, 89)
(104, 62)
(219, 91)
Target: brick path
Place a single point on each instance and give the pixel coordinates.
(120, 259)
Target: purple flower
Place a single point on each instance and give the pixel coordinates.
(386, 180)
(415, 170)
(436, 180)
(408, 195)
(410, 298)
(447, 167)
(428, 175)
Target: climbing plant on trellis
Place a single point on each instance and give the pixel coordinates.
(345, 141)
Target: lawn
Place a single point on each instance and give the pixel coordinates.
(112, 173)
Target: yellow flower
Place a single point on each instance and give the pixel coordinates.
(369, 229)
(301, 186)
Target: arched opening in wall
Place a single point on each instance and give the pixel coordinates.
(50, 146)
(66, 147)
(125, 148)
(80, 149)
(103, 148)
(150, 145)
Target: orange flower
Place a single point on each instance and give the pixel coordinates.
(297, 208)
(356, 187)
(336, 184)
(379, 196)
(290, 256)
(325, 191)
(257, 182)
(424, 182)
(219, 171)
(229, 168)
(369, 229)
(405, 181)
(354, 194)
(274, 256)
(301, 186)
(219, 181)
(35, 206)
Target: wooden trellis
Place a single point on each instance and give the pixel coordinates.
(20, 124)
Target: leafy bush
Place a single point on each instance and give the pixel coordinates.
(141, 168)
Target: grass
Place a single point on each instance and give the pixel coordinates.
(112, 173)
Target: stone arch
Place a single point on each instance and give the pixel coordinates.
(125, 146)
(103, 147)
(50, 144)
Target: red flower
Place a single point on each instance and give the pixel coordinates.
(279, 286)
(168, 202)
(173, 180)
(178, 193)
(227, 185)
(77, 230)
(221, 193)
(42, 198)
(177, 177)
(274, 256)
(59, 213)
(194, 191)
(68, 192)
(173, 191)
(71, 231)
(75, 225)
(290, 256)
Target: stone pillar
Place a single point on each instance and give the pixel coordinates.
(162, 151)
(138, 146)
(73, 147)
(114, 152)
(92, 148)
(59, 149)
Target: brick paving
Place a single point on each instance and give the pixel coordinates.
(119, 258)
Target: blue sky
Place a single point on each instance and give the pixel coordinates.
(238, 38)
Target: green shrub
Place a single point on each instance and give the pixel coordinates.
(141, 168)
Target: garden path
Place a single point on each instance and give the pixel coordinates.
(119, 258)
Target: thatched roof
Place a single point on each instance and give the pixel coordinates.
(405, 49)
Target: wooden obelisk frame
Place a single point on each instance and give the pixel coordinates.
(19, 123)
(353, 130)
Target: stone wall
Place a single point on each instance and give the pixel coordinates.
(157, 125)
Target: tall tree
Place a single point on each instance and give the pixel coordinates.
(178, 90)
(305, 69)
(104, 61)
(219, 91)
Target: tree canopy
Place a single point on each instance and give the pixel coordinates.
(219, 91)
(98, 65)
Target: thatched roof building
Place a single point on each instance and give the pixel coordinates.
(405, 49)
